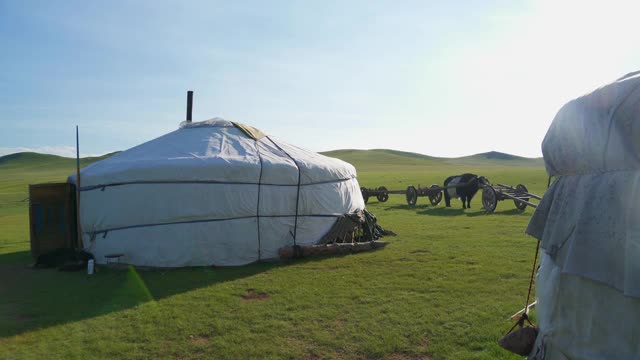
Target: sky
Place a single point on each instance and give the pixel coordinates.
(434, 77)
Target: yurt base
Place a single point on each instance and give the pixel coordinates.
(290, 252)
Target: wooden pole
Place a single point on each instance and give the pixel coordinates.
(189, 105)
(518, 199)
(525, 310)
(527, 194)
(79, 227)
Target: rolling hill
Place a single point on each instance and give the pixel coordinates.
(386, 157)
(19, 170)
(359, 158)
(37, 160)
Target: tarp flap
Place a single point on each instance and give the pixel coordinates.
(589, 226)
(582, 319)
(250, 131)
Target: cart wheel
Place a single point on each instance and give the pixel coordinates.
(412, 195)
(489, 199)
(521, 190)
(383, 196)
(365, 194)
(436, 197)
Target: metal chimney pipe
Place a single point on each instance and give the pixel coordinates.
(189, 105)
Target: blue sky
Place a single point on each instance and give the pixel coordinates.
(425, 76)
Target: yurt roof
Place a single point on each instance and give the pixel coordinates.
(597, 132)
(215, 150)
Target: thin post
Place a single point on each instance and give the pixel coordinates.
(189, 105)
(79, 228)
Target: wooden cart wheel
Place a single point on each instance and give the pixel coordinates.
(522, 190)
(412, 195)
(436, 197)
(365, 194)
(383, 194)
(489, 199)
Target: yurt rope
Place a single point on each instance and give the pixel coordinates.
(533, 273)
(525, 316)
(258, 206)
(295, 224)
(533, 268)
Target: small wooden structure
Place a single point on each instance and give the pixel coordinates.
(381, 193)
(434, 192)
(521, 197)
(52, 217)
(412, 193)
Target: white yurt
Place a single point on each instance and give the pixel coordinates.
(588, 224)
(211, 193)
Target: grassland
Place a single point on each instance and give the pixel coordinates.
(442, 289)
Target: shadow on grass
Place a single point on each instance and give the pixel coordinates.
(21, 257)
(511, 212)
(38, 298)
(406, 207)
(442, 211)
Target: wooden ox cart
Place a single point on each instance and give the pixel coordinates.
(412, 194)
(492, 193)
(381, 193)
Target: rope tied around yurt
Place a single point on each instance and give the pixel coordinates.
(295, 162)
(258, 200)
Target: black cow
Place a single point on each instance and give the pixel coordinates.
(470, 184)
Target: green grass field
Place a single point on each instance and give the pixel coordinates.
(442, 289)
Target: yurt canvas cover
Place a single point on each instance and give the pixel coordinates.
(211, 193)
(588, 286)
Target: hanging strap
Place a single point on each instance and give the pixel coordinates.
(533, 269)
(525, 316)
(533, 273)
(258, 202)
(295, 225)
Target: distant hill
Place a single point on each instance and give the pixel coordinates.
(387, 152)
(31, 160)
(384, 157)
(381, 157)
(359, 158)
(496, 155)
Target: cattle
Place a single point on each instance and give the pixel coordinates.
(469, 184)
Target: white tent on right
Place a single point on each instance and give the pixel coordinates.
(588, 224)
